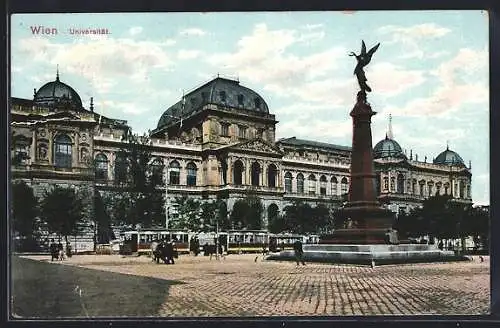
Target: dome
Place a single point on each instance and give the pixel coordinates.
(57, 93)
(449, 157)
(387, 148)
(219, 91)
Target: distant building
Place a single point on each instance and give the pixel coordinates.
(219, 139)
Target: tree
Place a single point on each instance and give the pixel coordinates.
(477, 225)
(321, 219)
(62, 210)
(142, 200)
(189, 213)
(24, 209)
(214, 214)
(247, 213)
(102, 220)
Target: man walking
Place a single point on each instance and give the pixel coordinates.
(299, 252)
(54, 251)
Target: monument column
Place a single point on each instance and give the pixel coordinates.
(366, 222)
(362, 183)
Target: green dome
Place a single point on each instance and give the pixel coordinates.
(388, 148)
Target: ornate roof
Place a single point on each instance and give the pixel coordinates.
(219, 91)
(301, 142)
(57, 93)
(388, 148)
(449, 157)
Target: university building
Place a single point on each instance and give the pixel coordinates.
(218, 140)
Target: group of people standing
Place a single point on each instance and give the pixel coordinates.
(163, 250)
(57, 250)
(194, 245)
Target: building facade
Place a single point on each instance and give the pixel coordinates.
(217, 141)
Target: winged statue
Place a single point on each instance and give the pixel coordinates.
(363, 59)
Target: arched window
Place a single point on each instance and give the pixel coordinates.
(344, 186)
(120, 168)
(446, 188)
(414, 186)
(62, 151)
(300, 183)
(438, 188)
(430, 186)
(288, 182)
(238, 173)
(157, 171)
(312, 184)
(255, 174)
(421, 184)
(174, 173)
(334, 186)
(322, 185)
(462, 189)
(401, 183)
(101, 167)
(223, 167)
(191, 174)
(272, 213)
(271, 175)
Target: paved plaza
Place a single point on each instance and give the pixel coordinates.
(240, 285)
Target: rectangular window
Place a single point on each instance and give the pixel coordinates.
(224, 129)
(242, 132)
(21, 154)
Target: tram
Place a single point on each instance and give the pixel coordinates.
(140, 240)
(233, 241)
(247, 241)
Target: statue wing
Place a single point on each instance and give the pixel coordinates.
(363, 48)
(372, 50)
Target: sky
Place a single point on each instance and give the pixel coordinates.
(430, 72)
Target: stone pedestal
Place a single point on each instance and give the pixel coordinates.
(370, 254)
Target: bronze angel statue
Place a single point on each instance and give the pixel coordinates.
(363, 59)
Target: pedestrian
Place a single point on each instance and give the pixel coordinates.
(68, 249)
(221, 251)
(60, 250)
(154, 245)
(196, 246)
(169, 254)
(54, 252)
(299, 252)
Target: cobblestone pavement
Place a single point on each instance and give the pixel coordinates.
(241, 286)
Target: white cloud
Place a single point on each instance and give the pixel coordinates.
(279, 71)
(193, 31)
(389, 79)
(102, 62)
(411, 37)
(135, 30)
(188, 54)
(323, 129)
(311, 26)
(438, 54)
(429, 30)
(463, 80)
